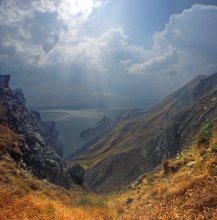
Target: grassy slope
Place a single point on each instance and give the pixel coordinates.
(25, 197)
(187, 191)
(135, 130)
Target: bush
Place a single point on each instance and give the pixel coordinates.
(214, 148)
(205, 134)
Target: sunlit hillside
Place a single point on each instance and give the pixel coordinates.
(23, 196)
(182, 188)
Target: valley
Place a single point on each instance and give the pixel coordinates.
(176, 181)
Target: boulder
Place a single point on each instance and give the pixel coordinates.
(76, 172)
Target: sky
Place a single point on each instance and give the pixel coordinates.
(105, 53)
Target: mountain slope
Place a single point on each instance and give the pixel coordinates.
(24, 196)
(139, 142)
(185, 187)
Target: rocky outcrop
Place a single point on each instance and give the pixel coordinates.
(140, 141)
(4, 81)
(39, 139)
(52, 134)
(76, 172)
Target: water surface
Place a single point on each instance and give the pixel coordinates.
(70, 123)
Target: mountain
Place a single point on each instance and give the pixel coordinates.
(141, 140)
(41, 149)
(183, 187)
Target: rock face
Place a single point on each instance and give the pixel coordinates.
(4, 81)
(142, 140)
(52, 134)
(40, 141)
(76, 172)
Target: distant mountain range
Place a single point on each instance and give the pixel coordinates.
(138, 141)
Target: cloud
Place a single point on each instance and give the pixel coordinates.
(34, 28)
(187, 44)
(125, 63)
(155, 64)
(46, 40)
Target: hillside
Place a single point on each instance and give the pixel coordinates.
(24, 196)
(142, 140)
(184, 187)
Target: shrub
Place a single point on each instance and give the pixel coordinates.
(214, 148)
(205, 134)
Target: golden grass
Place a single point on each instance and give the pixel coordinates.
(190, 192)
(24, 197)
(33, 207)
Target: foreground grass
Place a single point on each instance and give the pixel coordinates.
(24, 197)
(183, 188)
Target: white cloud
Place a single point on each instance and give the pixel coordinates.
(67, 10)
(125, 63)
(48, 36)
(100, 52)
(155, 64)
(26, 25)
(187, 45)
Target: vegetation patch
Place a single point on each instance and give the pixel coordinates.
(214, 148)
(92, 202)
(205, 134)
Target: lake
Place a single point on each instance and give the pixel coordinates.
(70, 123)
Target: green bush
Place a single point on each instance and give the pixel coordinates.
(214, 148)
(205, 134)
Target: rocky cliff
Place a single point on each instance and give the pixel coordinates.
(142, 140)
(41, 152)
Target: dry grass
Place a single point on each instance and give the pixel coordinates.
(190, 192)
(34, 207)
(10, 142)
(187, 192)
(24, 197)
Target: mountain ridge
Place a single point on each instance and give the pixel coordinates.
(150, 135)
